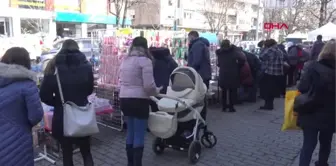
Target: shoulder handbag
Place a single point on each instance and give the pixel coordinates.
(77, 121)
(307, 102)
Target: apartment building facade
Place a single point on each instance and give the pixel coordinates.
(73, 18)
(189, 14)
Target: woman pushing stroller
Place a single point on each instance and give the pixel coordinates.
(136, 86)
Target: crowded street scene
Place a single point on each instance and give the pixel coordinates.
(167, 82)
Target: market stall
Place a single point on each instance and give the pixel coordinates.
(327, 31)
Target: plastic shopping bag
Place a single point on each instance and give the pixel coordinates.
(290, 117)
(100, 105)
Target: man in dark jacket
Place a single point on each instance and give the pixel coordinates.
(199, 56)
(317, 47)
(230, 61)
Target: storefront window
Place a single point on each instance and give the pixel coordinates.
(32, 26)
(93, 27)
(69, 30)
(5, 29)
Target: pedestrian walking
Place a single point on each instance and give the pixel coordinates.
(273, 63)
(230, 62)
(20, 108)
(317, 47)
(76, 78)
(136, 86)
(318, 123)
(199, 56)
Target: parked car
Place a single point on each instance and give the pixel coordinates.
(86, 45)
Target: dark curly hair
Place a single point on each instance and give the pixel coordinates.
(261, 44)
(269, 43)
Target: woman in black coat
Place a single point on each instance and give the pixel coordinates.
(230, 61)
(318, 123)
(164, 65)
(76, 77)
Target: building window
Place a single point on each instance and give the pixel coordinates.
(241, 5)
(232, 19)
(254, 8)
(255, 21)
(170, 3)
(5, 29)
(32, 26)
(31, 4)
(187, 15)
(69, 29)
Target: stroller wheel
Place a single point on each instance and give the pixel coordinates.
(158, 146)
(209, 140)
(194, 152)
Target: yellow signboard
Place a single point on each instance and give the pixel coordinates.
(68, 5)
(66, 8)
(15, 3)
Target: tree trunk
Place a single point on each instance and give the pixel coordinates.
(124, 14)
(323, 12)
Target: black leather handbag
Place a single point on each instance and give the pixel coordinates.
(306, 102)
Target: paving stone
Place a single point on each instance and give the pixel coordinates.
(249, 137)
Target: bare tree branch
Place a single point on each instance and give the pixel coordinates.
(322, 10)
(216, 12)
(120, 9)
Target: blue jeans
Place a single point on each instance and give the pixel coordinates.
(136, 130)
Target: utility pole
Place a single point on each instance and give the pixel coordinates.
(258, 20)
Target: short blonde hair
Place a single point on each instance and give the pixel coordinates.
(328, 51)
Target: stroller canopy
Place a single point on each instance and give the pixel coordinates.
(186, 77)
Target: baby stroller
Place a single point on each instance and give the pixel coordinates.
(178, 122)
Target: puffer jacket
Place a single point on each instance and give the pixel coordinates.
(320, 78)
(199, 57)
(20, 110)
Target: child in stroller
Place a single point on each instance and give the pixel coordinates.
(178, 122)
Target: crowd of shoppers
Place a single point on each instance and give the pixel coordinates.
(145, 72)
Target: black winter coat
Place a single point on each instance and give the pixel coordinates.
(230, 61)
(76, 77)
(323, 116)
(164, 65)
(254, 63)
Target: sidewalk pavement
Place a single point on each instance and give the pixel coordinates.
(249, 137)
